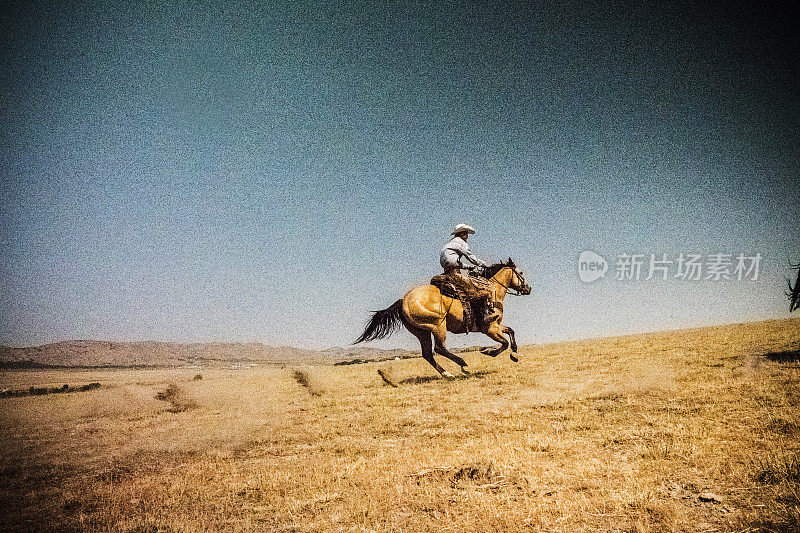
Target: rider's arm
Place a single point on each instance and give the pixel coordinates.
(465, 252)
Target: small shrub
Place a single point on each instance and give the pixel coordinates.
(177, 398)
(302, 378)
(481, 472)
(775, 470)
(781, 425)
(787, 520)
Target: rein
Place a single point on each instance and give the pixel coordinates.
(508, 289)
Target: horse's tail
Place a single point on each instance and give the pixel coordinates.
(383, 323)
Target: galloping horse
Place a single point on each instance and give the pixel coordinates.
(425, 312)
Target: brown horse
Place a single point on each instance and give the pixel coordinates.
(426, 313)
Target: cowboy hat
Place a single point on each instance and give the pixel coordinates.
(461, 228)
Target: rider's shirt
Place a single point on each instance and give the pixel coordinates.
(454, 250)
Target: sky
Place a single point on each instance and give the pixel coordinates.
(215, 171)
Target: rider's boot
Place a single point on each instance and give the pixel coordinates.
(482, 311)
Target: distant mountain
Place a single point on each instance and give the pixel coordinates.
(362, 351)
(88, 353)
(364, 354)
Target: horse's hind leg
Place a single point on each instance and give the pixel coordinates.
(439, 336)
(426, 344)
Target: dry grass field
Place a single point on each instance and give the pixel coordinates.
(695, 430)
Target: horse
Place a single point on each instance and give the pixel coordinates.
(428, 315)
(794, 292)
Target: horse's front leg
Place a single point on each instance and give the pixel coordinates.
(510, 332)
(495, 332)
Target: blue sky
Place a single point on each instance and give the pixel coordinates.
(218, 172)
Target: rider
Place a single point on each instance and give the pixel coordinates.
(450, 259)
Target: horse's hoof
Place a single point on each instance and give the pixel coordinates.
(492, 352)
(465, 371)
(448, 375)
(514, 357)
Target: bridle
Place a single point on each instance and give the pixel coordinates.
(507, 287)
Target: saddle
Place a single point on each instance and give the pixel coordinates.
(451, 290)
(446, 287)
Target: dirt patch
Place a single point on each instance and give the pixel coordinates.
(480, 474)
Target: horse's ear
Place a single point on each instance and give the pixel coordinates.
(510, 263)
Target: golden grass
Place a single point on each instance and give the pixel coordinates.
(619, 434)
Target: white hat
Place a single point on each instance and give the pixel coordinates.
(462, 227)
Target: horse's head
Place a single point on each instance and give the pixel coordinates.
(517, 282)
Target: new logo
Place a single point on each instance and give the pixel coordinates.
(591, 266)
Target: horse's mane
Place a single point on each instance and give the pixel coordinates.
(491, 270)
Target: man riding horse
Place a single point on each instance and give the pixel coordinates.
(450, 259)
(429, 313)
